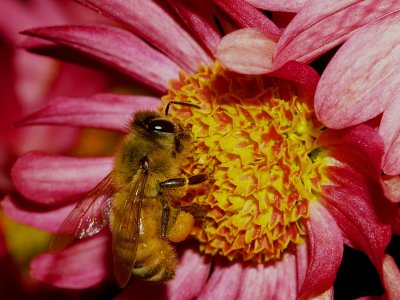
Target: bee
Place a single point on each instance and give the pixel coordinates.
(136, 199)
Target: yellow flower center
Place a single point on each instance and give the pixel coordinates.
(255, 137)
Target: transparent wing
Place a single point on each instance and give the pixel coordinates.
(126, 229)
(88, 217)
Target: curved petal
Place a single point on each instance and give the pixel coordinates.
(247, 15)
(150, 21)
(274, 281)
(286, 286)
(115, 47)
(389, 129)
(303, 75)
(108, 111)
(362, 78)
(359, 147)
(302, 264)
(391, 278)
(359, 217)
(355, 198)
(322, 24)
(192, 271)
(198, 16)
(221, 286)
(277, 280)
(325, 251)
(247, 51)
(235, 281)
(79, 266)
(279, 5)
(44, 218)
(50, 179)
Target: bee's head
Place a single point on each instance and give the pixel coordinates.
(164, 130)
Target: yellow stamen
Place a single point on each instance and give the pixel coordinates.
(255, 137)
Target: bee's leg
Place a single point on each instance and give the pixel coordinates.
(180, 225)
(164, 216)
(173, 186)
(174, 183)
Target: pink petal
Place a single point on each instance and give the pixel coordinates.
(303, 75)
(78, 266)
(389, 129)
(322, 24)
(274, 281)
(44, 218)
(247, 51)
(355, 197)
(235, 281)
(359, 216)
(49, 179)
(359, 146)
(224, 283)
(302, 264)
(150, 21)
(391, 187)
(362, 78)
(42, 138)
(279, 5)
(192, 271)
(247, 15)
(286, 284)
(78, 81)
(116, 47)
(391, 278)
(108, 111)
(198, 16)
(325, 251)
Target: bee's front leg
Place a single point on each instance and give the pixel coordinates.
(181, 182)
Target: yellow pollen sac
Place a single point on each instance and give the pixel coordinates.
(254, 137)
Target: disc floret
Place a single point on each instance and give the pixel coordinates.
(256, 137)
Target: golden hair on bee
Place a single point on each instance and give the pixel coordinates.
(137, 199)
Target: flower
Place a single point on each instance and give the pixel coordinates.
(285, 194)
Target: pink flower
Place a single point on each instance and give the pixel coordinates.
(249, 119)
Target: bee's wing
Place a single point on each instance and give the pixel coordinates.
(126, 231)
(88, 217)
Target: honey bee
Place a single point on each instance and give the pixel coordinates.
(137, 200)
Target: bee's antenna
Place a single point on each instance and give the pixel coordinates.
(180, 103)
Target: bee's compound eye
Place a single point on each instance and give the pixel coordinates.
(161, 126)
